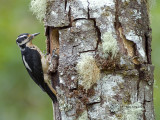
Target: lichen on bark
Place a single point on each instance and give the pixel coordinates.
(94, 86)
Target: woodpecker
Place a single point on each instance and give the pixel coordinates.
(36, 63)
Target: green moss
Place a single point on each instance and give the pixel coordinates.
(38, 7)
(109, 44)
(88, 71)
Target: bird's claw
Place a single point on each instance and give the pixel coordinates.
(45, 53)
(53, 61)
(54, 55)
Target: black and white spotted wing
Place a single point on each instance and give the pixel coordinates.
(34, 68)
(32, 61)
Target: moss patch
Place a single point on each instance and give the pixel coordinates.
(38, 7)
(88, 71)
(109, 44)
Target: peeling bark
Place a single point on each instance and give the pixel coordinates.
(122, 86)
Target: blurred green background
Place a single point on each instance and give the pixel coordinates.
(155, 24)
(20, 97)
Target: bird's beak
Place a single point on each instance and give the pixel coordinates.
(35, 34)
(31, 36)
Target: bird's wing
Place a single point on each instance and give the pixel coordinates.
(34, 66)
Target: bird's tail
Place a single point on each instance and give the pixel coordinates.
(51, 92)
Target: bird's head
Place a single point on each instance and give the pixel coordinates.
(24, 38)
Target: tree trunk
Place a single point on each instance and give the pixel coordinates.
(105, 70)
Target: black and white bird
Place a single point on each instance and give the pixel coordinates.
(36, 63)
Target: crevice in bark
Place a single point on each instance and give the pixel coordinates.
(52, 35)
(138, 82)
(47, 32)
(87, 51)
(88, 9)
(65, 4)
(144, 103)
(54, 40)
(96, 27)
(60, 28)
(93, 103)
(87, 112)
(148, 47)
(98, 32)
(80, 19)
(69, 16)
(117, 25)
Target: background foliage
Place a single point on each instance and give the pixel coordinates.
(155, 24)
(20, 97)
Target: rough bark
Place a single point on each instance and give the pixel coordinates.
(105, 70)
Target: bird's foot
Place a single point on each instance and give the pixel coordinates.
(54, 55)
(53, 62)
(45, 53)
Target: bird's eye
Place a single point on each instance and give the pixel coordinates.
(25, 37)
